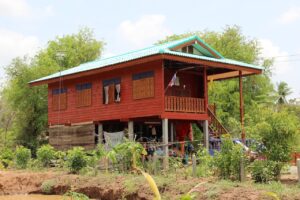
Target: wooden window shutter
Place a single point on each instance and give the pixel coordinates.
(111, 93)
(143, 85)
(59, 99)
(83, 95)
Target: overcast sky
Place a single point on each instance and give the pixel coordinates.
(27, 25)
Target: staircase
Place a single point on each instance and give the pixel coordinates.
(216, 128)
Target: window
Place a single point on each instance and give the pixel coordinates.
(59, 99)
(112, 90)
(143, 85)
(83, 95)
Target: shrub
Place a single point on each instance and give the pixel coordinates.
(61, 157)
(76, 159)
(76, 196)
(227, 161)
(47, 186)
(262, 171)
(6, 157)
(45, 154)
(23, 155)
(204, 168)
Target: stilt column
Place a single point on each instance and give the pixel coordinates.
(100, 133)
(130, 130)
(206, 134)
(165, 143)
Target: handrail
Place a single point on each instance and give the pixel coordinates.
(220, 129)
(184, 104)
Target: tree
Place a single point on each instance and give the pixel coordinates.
(283, 90)
(30, 103)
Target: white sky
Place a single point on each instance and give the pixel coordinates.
(27, 25)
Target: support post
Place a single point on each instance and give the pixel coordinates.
(243, 135)
(205, 89)
(130, 130)
(206, 134)
(165, 143)
(242, 170)
(172, 132)
(194, 165)
(298, 166)
(100, 133)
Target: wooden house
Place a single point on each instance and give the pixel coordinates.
(152, 87)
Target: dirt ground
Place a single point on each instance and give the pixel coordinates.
(134, 186)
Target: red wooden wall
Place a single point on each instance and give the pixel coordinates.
(127, 108)
(193, 83)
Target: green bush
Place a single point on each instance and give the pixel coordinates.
(262, 171)
(47, 186)
(45, 154)
(23, 155)
(227, 161)
(204, 168)
(76, 159)
(6, 157)
(61, 157)
(76, 196)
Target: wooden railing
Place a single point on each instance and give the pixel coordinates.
(215, 124)
(184, 104)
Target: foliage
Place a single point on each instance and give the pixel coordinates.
(128, 152)
(75, 196)
(47, 186)
(60, 158)
(283, 91)
(23, 155)
(204, 168)
(262, 171)
(6, 157)
(29, 104)
(227, 161)
(45, 154)
(76, 159)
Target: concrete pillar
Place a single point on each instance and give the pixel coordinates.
(100, 133)
(130, 130)
(165, 143)
(172, 132)
(298, 166)
(206, 134)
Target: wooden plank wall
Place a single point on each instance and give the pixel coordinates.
(67, 137)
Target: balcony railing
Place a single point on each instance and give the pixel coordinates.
(184, 104)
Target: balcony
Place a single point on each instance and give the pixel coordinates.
(184, 104)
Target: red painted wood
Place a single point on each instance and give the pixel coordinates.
(127, 108)
(184, 116)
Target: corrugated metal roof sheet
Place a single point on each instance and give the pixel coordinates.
(153, 50)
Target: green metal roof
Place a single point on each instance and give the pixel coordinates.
(153, 50)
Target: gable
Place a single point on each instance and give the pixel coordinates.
(196, 46)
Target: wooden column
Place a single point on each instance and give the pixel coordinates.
(205, 88)
(243, 135)
(206, 134)
(100, 133)
(165, 143)
(130, 130)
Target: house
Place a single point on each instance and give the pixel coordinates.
(146, 91)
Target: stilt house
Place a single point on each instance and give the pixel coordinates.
(152, 87)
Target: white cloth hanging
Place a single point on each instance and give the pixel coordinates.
(106, 94)
(112, 139)
(118, 89)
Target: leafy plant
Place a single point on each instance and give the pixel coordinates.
(76, 159)
(227, 161)
(75, 196)
(45, 154)
(204, 168)
(23, 155)
(262, 171)
(6, 157)
(47, 186)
